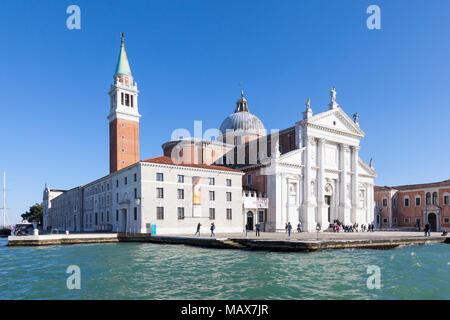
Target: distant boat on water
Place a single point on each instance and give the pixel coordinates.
(5, 228)
(5, 231)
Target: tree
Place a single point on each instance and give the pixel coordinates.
(34, 214)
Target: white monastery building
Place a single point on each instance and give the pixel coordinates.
(309, 173)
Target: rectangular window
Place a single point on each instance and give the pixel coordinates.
(180, 178)
(418, 201)
(96, 218)
(127, 100)
(135, 193)
(160, 213)
(229, 214)
(446, 220)
(228, 196)
(121, 98)
(180, 213)
(446, 200)
(384, 202)
(212, 213)
(132, 101)
(385, 220)
(117, 197)
(406, 202)
(180, 193)
(117, 183)
(212, 181)
(406, 220)
(228, 182)
(117, 215)
(135, 177)
(160, 193)
(107, 216)
(135, 213)
(249, 179)
(212, 196)
(159, 177)
(125, 180)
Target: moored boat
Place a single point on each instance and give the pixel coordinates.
(5, 231)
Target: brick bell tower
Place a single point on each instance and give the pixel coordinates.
(124, 116)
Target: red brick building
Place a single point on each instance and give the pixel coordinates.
(405, 206)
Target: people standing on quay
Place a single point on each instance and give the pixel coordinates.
(289, 228)
(257, 230)
(299, 227)
(198, 229)
(212, 229)
(246, 230)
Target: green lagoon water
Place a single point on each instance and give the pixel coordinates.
(149, 271)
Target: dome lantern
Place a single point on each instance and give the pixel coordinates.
(242, 121)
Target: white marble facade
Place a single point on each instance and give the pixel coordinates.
(323, 179)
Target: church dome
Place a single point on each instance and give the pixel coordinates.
(242, 120)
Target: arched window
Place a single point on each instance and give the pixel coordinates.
(428, 198)
(435, 198)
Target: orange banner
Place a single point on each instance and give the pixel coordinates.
(197, 190)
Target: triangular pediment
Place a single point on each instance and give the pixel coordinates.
(365, 169)
(292, 158)
(336, 120)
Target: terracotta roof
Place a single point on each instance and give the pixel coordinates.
(415, 186)
(168, 160)
(385, 188)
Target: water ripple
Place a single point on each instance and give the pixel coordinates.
(149, 271)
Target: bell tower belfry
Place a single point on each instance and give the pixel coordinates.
(124, 116)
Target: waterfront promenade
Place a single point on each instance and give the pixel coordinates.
(322, 236)
(266, 241)
(297, 241)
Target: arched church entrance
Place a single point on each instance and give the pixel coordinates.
(432, 221)
(250, 220)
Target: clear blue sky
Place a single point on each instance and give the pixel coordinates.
(189, 57)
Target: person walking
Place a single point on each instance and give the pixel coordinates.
(257, 230)
(198, 229)
(299, 227)
(289, 227)
(286, 227)
(246, 230)
(212, 229)
(426, 229)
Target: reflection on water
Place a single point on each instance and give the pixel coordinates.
(149, 271)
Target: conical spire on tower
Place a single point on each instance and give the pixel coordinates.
(123, 67)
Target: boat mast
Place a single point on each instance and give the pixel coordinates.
(5, 218)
